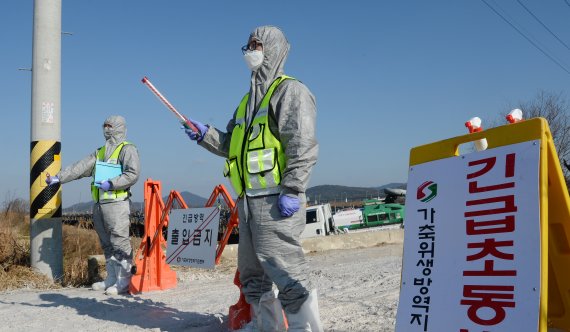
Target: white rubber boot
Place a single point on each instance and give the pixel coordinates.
(124, 275)
(252, 325)
(110, 280)
(307, 318)
(270, 318)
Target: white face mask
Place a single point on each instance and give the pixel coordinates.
(253, 59)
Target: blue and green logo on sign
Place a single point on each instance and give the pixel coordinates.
(427, 191)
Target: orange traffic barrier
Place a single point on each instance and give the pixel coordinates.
(240, 313)
(220, 190)
(150, 269)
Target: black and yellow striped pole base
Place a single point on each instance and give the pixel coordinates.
(45, 201)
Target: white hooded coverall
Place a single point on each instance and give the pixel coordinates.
(269, 248)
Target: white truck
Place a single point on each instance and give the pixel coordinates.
(319, 221)
(345, 218)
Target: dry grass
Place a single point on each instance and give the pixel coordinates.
(19, 276)
(15, 254)
(12, 251)
(15, 271)
(78, 244)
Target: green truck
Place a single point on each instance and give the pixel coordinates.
(377, 213)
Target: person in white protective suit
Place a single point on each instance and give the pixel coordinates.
(119, 160)
(271, 148)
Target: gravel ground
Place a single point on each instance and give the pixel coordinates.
(358, 291)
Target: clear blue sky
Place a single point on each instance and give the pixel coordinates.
(387, 75)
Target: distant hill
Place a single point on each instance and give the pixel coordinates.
(85, 207)
(323, 193)
(330, 193)
(191, 200)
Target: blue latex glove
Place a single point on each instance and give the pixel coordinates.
(194, 135)
(104, 185)
(288, 205)
(51, 180)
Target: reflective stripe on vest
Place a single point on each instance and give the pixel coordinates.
(256, 158)
(99, 195)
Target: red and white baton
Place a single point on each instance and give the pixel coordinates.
(184, 120)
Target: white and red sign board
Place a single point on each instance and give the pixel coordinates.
(472, 243)
(193, 237)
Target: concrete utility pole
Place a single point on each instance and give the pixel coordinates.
(45, 202)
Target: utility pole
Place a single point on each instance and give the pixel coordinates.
(45, 148)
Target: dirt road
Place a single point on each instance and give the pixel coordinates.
(358, 291)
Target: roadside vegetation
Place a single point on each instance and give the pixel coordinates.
(555, 108)
(15, 248)
(15, 270)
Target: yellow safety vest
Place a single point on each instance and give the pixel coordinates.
(100, 195)
(256, 158)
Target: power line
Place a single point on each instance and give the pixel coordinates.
(527, 38)
(539, 21)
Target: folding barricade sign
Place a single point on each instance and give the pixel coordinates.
(487, 235)
(151, 271)
(193, 237)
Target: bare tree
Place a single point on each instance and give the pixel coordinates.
(13, 204)
(555, 109)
